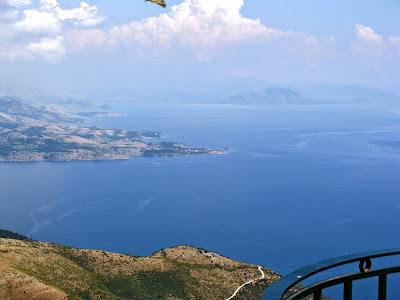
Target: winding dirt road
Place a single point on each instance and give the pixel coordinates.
(248, 282)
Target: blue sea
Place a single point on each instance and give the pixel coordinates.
(298, 184)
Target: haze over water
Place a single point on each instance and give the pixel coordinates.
(299, 184)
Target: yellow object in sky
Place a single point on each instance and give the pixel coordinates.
(159, 2)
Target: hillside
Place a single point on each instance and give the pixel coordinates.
(17, 110)
(12, 235)
(39, 270)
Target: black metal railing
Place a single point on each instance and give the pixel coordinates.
(280, 288)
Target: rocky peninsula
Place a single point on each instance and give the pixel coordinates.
(38, 133)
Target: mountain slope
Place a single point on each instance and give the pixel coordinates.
(38, 270)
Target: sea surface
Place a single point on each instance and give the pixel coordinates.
(298, 184)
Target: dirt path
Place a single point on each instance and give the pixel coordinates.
(248, 282)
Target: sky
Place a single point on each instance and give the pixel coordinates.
(71, 46)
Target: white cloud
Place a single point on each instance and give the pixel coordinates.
(374, 45)
(85, 11)
(9, 15)
(78, 39)
(394, 40)
(86, 14)
(208, 29)
(50, 49)
(91, 22)
(18, 3)
(38, 23)
(48, 4)
(394, 43)
(366, 34)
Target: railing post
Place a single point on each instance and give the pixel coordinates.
(382, 287)
(318, 295)
(348, 290)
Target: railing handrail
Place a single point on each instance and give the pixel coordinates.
(341, 279)
(280, 287)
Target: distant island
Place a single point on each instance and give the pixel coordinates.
(38, 133)
(271, 96)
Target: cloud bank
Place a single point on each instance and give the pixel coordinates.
(198, 25)
(199, 31)
(211, 29)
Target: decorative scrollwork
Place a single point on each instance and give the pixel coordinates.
(365, 265)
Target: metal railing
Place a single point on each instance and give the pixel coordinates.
(280, 288)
